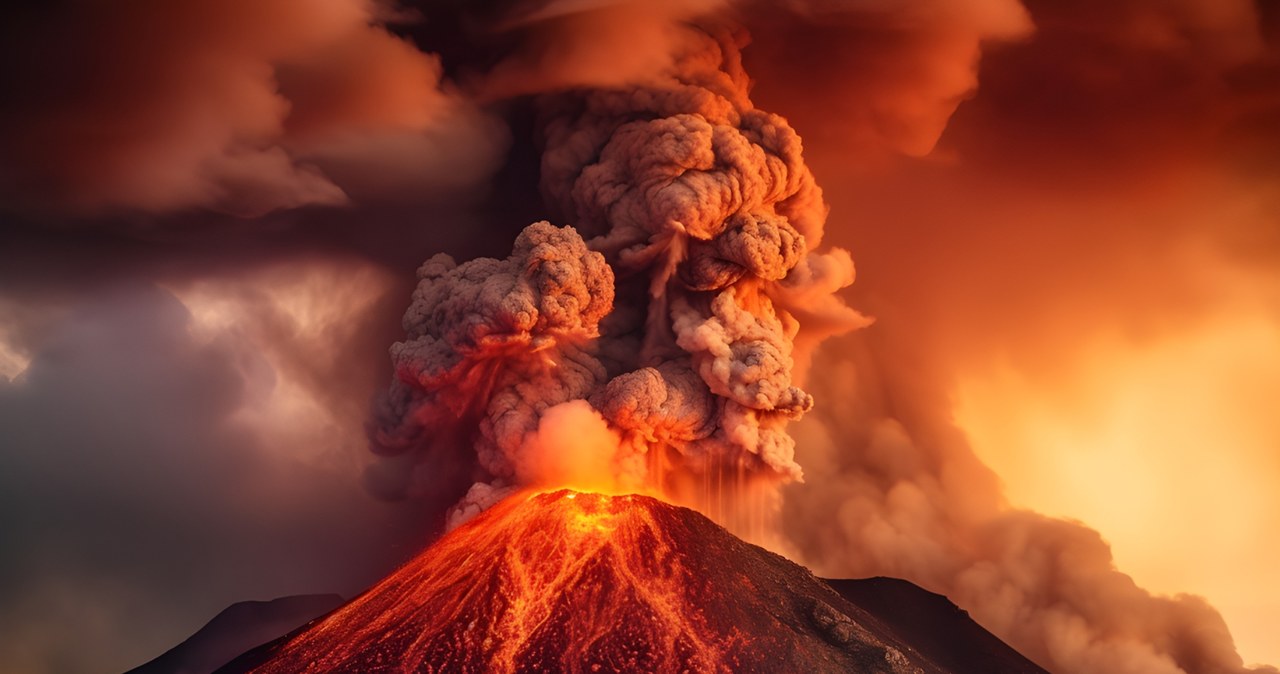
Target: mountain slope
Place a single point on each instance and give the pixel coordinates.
(238, 627)
(938, 629)
(575, 582)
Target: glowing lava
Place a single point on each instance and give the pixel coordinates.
(582, 582)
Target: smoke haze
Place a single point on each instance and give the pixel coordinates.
(245, 107)
(1080, 253)
(1063, 219)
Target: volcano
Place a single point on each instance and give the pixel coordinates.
(581, 582)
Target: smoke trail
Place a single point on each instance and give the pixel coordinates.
(903, 495)
(709, 221)
(893, 482)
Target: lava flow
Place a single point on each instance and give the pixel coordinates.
(581, 582)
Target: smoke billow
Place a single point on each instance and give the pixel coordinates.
(674, 318)
(1097, 183)
(242, 107)
(496, 343)
(905, 496)
(709, 222)
(1105, 166)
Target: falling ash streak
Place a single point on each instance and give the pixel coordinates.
(675, 319)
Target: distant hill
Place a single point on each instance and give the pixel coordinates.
(236, 629)
(941, 631)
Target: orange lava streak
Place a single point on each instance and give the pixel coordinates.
(582, 582)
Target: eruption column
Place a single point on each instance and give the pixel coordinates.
(676, 319)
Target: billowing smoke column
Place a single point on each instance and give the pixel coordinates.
(656, 344)
(664, 343)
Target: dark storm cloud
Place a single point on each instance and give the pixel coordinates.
(129, 488)
(134, 471)
(183, 427)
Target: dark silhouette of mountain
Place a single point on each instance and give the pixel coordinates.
(941, 631)
(236, 629)
(577, 582)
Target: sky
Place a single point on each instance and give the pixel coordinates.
(1063, 217)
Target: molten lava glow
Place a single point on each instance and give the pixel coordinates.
(575, 582)
(582, 582)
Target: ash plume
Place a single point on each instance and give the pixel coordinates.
(1068, 213)
(669, 305)
(912, 500)
(1018, 181)
(714, 262)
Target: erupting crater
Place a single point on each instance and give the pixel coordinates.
(569, 581)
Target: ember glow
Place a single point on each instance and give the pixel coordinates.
(541, 586)
(576, 582)
(1064, 217)
(675, 317)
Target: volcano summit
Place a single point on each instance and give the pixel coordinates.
(582, 582)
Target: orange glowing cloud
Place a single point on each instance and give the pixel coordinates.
(244, 107)
(1064, 217)
(1085, 265)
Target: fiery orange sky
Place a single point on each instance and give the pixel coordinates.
(1080, 266)
(1167, 447)
(1063, 217)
